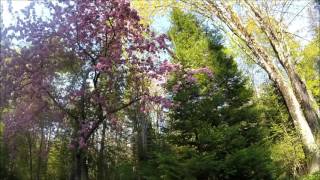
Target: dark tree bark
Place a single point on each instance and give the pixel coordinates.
(30, 156)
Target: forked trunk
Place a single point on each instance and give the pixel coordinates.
(280, 47)
(307, 101)
(300, 123)
(292, 91)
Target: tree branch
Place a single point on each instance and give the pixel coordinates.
(97, 124)
(60, 106)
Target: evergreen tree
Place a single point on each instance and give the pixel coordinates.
(214, 125)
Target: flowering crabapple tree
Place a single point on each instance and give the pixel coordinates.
(81, 60)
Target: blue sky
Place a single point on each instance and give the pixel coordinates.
(300, 25)
(161, 22)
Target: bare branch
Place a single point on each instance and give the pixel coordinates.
(298, 13)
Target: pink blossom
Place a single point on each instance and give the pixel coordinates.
(82, 143)
(176, 88)
(167, 67)
(166, 103)
(206, 71)
(81, 36)
(144, 109)
(114, 121)
(100, 66)
(71, 146)
(191, 79)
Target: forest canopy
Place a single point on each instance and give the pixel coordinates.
(159, 89)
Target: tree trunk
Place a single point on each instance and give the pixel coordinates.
(306, 99)
(30, 156)
(81, 168)
(300, 122)
(40, 154)
(278, 43)
(292, 91)
(101, 174)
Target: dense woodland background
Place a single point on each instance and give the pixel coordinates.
(89, 91)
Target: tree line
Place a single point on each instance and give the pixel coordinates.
(90, 92)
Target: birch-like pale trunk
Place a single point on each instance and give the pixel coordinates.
(101, 172)
(300, 122)
(292, 89)
(276, 37)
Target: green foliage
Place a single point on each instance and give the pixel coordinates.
(59, 161)
(216, 129)
(213, 131)
(309, 66)
(314, 176)
(4, 156)
(185, 41)
(281, 138)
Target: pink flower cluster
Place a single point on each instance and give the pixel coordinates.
(204, 70)
(104, 35)
(189, 77)
(24, 117)
(85, 129)
(163, 101)
(167, 67)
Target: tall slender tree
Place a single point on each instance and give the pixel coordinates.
(299, 101)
